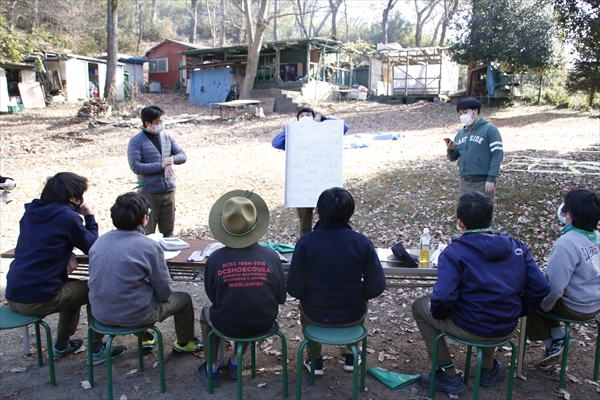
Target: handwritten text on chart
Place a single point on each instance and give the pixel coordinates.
(313, 160)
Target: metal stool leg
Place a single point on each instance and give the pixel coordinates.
(284, 363)
(240, 347)
(597, 363)
(354, 373)
(299, 370)
(49, 346)
(565, 354)
(209, 361)
(109, 382)
(161, 359)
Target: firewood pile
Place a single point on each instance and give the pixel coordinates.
(94, 108)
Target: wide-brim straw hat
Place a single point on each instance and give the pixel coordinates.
(239, 219)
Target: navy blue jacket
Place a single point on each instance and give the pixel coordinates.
(48, 233)
(334, 271)
(486, 282)
(245, 287)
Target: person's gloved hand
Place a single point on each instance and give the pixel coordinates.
(323, 118)
(169, 171)
(166, 162)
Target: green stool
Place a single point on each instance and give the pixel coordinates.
(478, 346)
(568, 322)
(252, 340)
(10, 320)
(111, 332)
(334, 337)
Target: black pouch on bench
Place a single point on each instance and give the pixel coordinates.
(406, 260)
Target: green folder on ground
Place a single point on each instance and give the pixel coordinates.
(393, 380)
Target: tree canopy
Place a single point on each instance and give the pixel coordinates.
(518, 33)
(580, 24)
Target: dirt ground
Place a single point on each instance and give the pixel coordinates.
(236, 154)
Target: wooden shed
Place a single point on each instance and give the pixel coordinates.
(80, 77)
(164, 62)
(413, 73)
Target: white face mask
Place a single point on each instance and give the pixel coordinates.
(561, 217)
(306, 118)
(468, 118)
(158, 128)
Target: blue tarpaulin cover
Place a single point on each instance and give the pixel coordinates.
(370, 139)
(210, 86)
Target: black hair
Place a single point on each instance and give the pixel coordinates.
(335, 206)
(469, 103)
(150, 113)
(584, 207)
(475, 210)
(303, 110)
(62, 186)
(129, 210)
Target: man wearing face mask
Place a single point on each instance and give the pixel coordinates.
(152, 153)
(573, 273)
(478, 149)
(304, 214)
(130, 281)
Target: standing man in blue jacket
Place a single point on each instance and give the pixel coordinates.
(478, 149)
(304, 214)
(486, 282)
(151, 154)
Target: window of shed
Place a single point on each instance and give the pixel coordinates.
(159, 65)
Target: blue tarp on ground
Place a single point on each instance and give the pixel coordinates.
(210, 86)
(370, 139)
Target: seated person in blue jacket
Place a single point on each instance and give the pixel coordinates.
(151, 154)
(486, 282)
(573, 273)
(334, 272)
(130, 284)
(304, 214)
(38, 281)
(244, 281)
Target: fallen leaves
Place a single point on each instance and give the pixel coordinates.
(18, 369)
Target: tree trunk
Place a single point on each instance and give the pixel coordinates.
(34, 19)
(254, 48)
(423, 16)
(193, 20)
(112, 41)
(154, 13)
(223, 11)
(300, 20)
(448, 15)
(249, 26)
(10, 14)
(275, 21)
(334, 5)
(322, 24)
(435, 32)
(384, 23)
(140, 6)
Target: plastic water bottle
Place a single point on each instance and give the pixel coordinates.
(424, 243)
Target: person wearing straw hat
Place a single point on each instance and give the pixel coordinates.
(244, 281)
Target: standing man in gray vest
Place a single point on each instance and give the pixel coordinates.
(152, 153)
